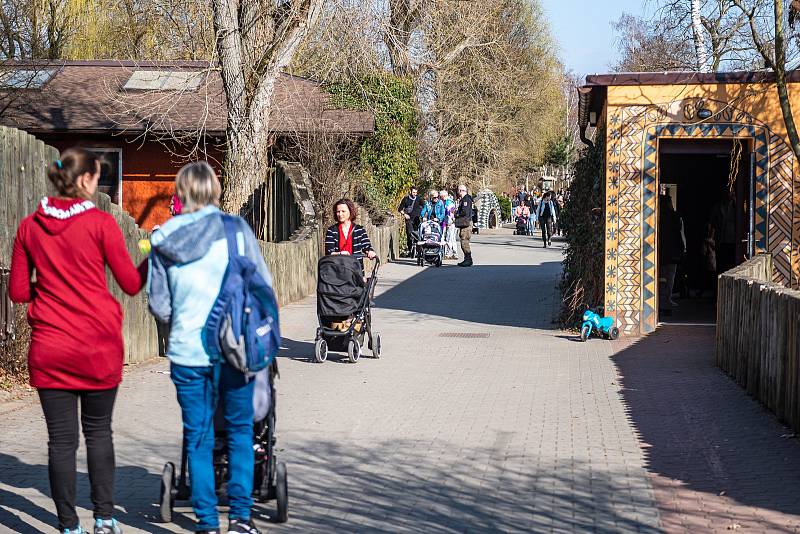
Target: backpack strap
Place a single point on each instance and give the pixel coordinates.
(231, 229)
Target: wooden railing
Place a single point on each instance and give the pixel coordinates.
(758, 336)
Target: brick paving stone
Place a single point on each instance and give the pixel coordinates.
(521, 431)
(716, 459)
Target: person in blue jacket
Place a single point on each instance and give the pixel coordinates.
(188, 261)
(428, 208)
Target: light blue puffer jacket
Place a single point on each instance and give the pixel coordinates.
(188, 262)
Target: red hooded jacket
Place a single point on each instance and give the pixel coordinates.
(76, 340)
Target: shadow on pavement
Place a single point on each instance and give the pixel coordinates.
(385, 487)
(130, 512)
(703, 433)
(505, 295)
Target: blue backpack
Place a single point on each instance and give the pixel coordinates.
(242, 326)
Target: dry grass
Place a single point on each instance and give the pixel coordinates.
(14, 353)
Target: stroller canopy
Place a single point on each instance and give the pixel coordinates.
(340, 286)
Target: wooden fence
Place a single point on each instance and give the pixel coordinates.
(23, 182)
(758, 336)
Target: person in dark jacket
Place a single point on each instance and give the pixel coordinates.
(671, 250)
(76, 351)
(347, 237)
(411, 207)
(547, 215)
(463, 221)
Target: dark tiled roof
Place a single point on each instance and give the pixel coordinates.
(686, 78)
(88, 96)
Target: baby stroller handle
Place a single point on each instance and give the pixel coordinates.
(376, 259)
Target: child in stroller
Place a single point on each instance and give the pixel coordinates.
(430, 247)
(344, 307)
(269, 475)
(522, 213)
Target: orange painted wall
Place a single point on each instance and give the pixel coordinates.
(148, 172)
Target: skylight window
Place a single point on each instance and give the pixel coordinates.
(163, 80)
(25, 78)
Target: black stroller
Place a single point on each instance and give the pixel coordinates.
(521, 225)
(344, 307)
(269, 475)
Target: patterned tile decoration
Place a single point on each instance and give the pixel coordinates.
(632, 194)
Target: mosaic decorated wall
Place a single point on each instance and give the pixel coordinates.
(633, 134)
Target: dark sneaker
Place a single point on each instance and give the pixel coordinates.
(207, 532)
(237, 526)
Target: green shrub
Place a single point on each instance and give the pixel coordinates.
(388, 159)
(505, 207)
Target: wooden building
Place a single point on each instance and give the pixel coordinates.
(147, 119)
(716, 143)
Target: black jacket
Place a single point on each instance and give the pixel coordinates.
(412, 207)
(464, 212)
(670, 238)
(361, 244)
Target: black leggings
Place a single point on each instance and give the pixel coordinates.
(61, 413)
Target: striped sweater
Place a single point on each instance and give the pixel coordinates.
(361, 242)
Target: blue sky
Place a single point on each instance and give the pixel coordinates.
(584, 33)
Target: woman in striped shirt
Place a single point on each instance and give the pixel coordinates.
(347, 237)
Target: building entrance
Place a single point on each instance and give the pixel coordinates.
(704, 225)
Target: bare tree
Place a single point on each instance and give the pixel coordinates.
(489, 89)
(256, 40)
(718, 29)
(772, 45)
(699, 37)
(646, 46)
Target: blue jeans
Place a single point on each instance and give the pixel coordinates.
(195, 387)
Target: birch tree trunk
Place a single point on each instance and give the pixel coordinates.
(255, 41)
(699, 38)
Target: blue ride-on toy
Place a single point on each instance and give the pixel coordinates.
(593, 322)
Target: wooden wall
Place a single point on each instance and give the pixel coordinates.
(758, 336)
(148, 170)
(23, 182)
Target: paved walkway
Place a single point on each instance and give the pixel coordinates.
(521, 429)
(718, 461)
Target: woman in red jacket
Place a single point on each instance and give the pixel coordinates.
(76, 350)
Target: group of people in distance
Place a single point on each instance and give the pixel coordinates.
(532, 209)
(454, 215)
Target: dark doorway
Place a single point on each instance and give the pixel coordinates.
(709, 184)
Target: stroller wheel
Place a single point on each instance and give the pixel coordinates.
(320, 350)
(282, 494)
(167, 492)
(375, 341)
(613, 333)
(267, 483)
(439, 261)
(353, 351)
